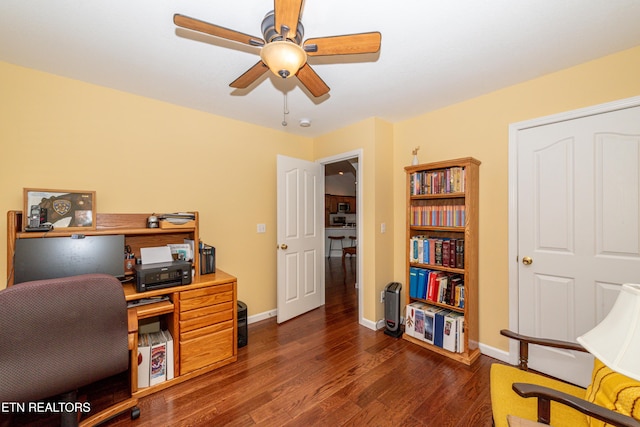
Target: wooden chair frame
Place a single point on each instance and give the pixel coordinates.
(545, 395)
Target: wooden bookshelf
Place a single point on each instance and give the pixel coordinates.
(442, 205)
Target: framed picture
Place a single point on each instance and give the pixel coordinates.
(68, 209)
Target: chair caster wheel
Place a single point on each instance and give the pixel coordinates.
(135, 413)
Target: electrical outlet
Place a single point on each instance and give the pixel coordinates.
(381, 296)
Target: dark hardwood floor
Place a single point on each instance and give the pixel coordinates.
(322, 368)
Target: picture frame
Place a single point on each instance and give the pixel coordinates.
(64, 209)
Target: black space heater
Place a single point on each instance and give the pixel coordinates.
(392, 309)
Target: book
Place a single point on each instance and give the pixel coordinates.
(432, 251)
(438, 332)
(425, 251)
(422, 283)
(446, 243)
(452, 253)
(170, 360)
(459, 291)
(144, 359)
(448, 295)
(158, 369)
(438, 252)
(459, 331)
(433, 286)
(419, 324)
(429, 319)
(410, 319)
(450, 332)
(460, 340)
(457, 295)
(460, 253)
(443, 284)
(413, 282)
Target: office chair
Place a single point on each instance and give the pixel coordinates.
(61, 334)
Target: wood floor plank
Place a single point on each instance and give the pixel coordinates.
(323, 368)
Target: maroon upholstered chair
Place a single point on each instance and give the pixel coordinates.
(61, 334)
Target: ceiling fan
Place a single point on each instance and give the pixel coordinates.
(282, 49)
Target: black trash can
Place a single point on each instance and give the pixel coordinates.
(243, 330)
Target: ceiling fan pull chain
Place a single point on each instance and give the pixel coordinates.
(285, 111)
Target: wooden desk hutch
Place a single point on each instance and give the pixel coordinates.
(201, 316)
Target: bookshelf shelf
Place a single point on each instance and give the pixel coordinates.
(451, 195)
(437, 267)
(436, 228)
(442, 256)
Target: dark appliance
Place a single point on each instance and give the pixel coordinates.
(243, 331)
(161, 275)
(53, 257)
(338, 220)
(344, 207)
(392, 309)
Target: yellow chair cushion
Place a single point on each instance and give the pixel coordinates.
(613, 391)
(505, 401)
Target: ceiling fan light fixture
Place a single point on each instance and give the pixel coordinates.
(283, 58)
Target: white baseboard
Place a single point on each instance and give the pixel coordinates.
(496, 353)
(262, 316)
(369, 324)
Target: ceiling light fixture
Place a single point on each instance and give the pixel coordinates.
(284, 58)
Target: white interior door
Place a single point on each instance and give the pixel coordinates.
(578, 224)
(300, 234)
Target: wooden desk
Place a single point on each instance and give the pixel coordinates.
(202, 319)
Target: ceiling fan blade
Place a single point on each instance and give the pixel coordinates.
(287, 13)
(249, 76)
(344, 45)
(215, 30)
(312, 81)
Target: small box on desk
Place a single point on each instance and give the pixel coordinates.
(207, 259)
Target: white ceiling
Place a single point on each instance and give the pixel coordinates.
(433, 54)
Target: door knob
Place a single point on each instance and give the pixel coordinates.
(527, 260)
(283, 246)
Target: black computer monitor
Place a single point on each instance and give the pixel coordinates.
(52, 257)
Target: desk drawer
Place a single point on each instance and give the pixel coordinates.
(196, 333)
(204, 350)
(206, 316)
(190, 300)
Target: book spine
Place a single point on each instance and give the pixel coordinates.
(444, 181)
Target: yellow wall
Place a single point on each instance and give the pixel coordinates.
(374, 137)
(141, 155)
(479, 128)
(60, 133)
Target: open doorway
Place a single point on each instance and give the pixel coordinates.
(343, 213)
